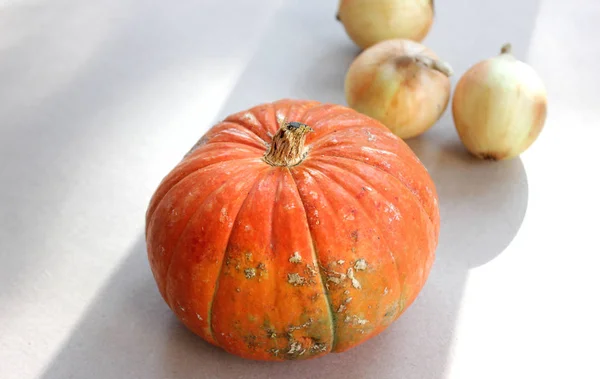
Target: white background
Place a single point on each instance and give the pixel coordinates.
(99, 99)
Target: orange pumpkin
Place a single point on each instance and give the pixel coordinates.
(280, 240)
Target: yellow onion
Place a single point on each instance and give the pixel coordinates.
(368, 22)
(400, 83)
(499, 107)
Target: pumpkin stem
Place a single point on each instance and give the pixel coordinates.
(287, 148)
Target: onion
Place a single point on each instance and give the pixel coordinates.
(499, 107)
(400, 83)
(368, 22)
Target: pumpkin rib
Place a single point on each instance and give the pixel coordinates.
(314, 250)
(287, 112)
(226, 132)
(388, 153)
(277, 192)
(155, 204)
(272, 112)
(241, 123)
(202, 145)
(187, 175)
(258, 179)
(370, 184)
(176, 245)
(411, 190)
(196, 149)
(276, 109)
(361, 206)
(321, 139)
(300, 109)
(333, 111)
(251, 133)
(192, 157)
(399, 180)
(201, 151)
(234, 129)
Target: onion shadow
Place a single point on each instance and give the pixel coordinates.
(482, 203)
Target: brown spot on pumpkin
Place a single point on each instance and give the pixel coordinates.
(319, 347)
(392, 310)
(350, 216)
(336, 280)
(295, 258)
(274, 352)
(249, 257)
(305, 325)
(295, 279)
(261, 266)
(249, 273)
(296, 349)
(355, 282)
(310, 271)
(360, 265)
(251, 342)
(223, 217)
(357, 320)
(354, 235)
(271, 333)
(314, 297)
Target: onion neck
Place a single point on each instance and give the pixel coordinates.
(287, 147)
(506, 49)
(423, 60)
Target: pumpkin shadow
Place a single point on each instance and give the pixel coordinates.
(122, 332)
(129, 332)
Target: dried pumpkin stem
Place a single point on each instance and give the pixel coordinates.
(287, 148)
